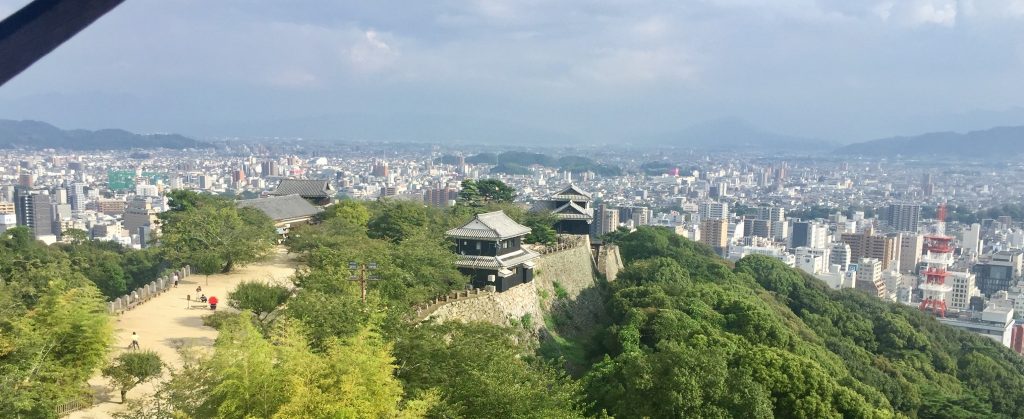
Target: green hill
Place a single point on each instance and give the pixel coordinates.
(35, 135)
(695, 337)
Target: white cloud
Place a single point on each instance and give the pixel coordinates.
(920, 12)
(939, 13)
(371, 53)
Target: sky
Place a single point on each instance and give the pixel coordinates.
(596, 71)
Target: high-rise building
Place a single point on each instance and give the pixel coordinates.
(808, 234)
(911, 247)
(269, 168)
(999, 272)
(926, 184)
(715, 233)
(868, 245)
(840, 255)
(607, 220)
(440, 197)
(757, 228)
(771, 213)
(971, 239)
(902, 217)
(27, 180)
(139, 213)
(964, 287)
(713, 210)
(869, 277)
(380, 169)
(641, 216)
(76, 196)
(35, 211)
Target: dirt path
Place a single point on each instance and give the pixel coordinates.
(165, 324)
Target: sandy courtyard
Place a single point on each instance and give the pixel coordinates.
(165, 323)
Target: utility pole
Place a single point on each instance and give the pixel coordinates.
(359, 273)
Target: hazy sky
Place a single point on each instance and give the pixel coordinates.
(841, 70)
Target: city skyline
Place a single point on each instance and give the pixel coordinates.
(493, 71)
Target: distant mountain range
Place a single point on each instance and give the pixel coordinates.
(737, 134)
(993, 142)
(35, 134)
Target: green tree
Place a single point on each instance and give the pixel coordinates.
(216, 236)
(348, 210)
(397, 220)
(486, 191)
(75, 236)
(461, 361)
(133, 368)
(541, 227)
(259, 298)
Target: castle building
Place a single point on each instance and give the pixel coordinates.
(491, 253)
(571, 208)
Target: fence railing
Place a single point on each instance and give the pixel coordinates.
(146, 292)
(66, 408)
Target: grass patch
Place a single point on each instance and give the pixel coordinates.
(217, 319)
(560, 291)
(555, 346)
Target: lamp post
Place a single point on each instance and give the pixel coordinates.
(359, 273)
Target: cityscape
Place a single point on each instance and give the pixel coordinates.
(881, 226)
(511, 209)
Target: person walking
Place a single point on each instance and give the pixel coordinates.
(135, 341)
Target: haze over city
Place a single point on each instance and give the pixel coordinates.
(529, 71)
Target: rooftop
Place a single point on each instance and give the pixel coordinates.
(490, 225)
(280, 208)
(304, 187)
(572, 192)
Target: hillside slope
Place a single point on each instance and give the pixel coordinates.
(999, 141)
(35, 134)
(695, 337)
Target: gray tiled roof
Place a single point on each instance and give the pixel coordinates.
(490, 225)
(304, 187)
(571, 211)
(572, 192)
(491, 262)
(280, 208)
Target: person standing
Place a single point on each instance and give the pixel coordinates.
(175, 280)
(135, 341)
(213, 303)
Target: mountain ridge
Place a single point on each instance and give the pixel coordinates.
(991, 142)
(38, 134)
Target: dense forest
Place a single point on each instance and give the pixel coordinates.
(687, 334)
(694, 337)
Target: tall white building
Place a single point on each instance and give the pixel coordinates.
(840, 254)
(713, 211)
(869, 277)
(812, 260)
(964, 288)
(971, 239)
(911, 247)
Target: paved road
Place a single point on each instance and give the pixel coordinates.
(165, 324)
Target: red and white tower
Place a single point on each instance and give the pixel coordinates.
(939, 257)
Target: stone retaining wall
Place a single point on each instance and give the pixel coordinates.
(571, 266)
